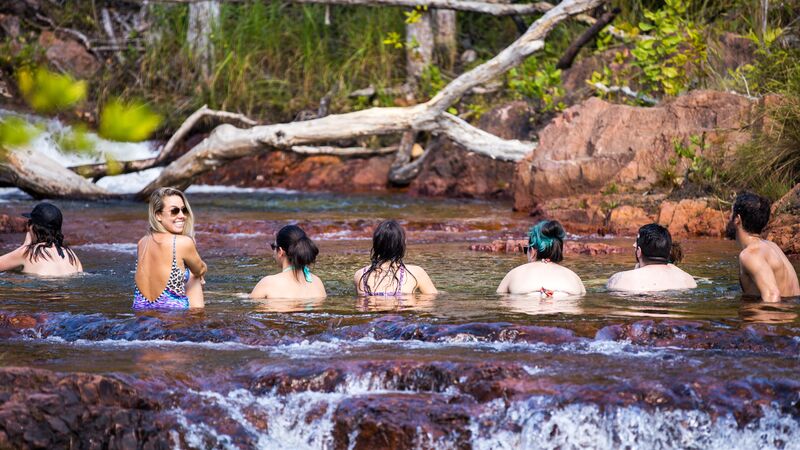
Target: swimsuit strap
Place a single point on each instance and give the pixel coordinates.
(306, 273)
(176, 281)
(401, 279)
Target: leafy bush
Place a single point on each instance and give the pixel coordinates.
(538, 81)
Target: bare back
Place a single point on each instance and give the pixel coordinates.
(541, 277)
(50, 264)
(651, 278)
(286, 285)
(154, 263)
(384, 281)
(763, 263)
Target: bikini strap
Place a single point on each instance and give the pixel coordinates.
(174, 253)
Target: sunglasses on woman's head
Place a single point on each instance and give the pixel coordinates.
(273, 245)
(175, 210)
(525, 249)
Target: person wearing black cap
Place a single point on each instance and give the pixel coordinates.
(43, 252)
(654, 270)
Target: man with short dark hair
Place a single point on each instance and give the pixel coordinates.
(654, 269)
(763, 268)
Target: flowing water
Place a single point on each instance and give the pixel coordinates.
(464, 369)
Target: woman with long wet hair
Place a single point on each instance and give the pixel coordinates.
(543, 274)
(387, 274)
(294, 252)
(169, 271)
(44, 251)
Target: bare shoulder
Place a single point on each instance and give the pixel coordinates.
(618, 279)
(184, 241)
(751, 255)
(416, 270)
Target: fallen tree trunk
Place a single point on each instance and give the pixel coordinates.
(99, 170)
(42, 177)
(227, 143)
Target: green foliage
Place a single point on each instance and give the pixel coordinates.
(676, 43)
(16, 132)
(128, 121)
(538, 81)
(431, 81)
(48, 92)
(415, 15)
(393, 39)
(610, 189)
(271, 59)
(76, 140)
(770, 163)
(699, 170)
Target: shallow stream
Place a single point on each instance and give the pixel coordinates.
(464, 369)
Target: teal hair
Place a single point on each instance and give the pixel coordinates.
(540, 242)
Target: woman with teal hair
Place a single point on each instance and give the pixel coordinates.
(542, 274)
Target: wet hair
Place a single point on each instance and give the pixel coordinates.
(547, 238)
(655, 243)
(299, 248)
(676, 253)
(754, 211)
(388, 245)
(42, 237)
(157, 206)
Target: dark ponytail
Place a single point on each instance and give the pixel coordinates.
(43, 237)
(300, 250)
(547, 238)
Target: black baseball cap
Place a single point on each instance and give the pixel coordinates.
(45, 214)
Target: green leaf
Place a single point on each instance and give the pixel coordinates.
(16, 132)
(644, 26)
(48, 92)
(128, 122)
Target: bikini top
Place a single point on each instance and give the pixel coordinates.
(398, 290)
(176, 283)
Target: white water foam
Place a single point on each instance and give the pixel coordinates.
(581, 426)
(47, 143)
(121, 247)
(304, 420)
(215, 189)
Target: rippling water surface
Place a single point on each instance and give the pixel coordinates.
(464, 369)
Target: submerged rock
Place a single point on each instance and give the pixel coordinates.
(43, 409)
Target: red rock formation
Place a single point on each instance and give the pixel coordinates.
(43, 409)
(692, 217)
(69, 55)
(784, 227)
(516, 245)
(12, 224)
(595, 143)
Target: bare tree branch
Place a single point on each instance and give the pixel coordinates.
(565, 62)
(343, 151)
(227, 143)
(99, 170)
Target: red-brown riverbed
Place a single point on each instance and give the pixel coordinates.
(466, 369)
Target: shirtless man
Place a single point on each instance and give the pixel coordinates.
(654, 271)
(763, 268)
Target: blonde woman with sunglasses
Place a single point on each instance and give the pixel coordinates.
(167, 255)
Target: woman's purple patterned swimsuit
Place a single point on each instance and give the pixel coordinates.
(174, 294)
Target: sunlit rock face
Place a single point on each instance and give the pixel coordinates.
(595, 143)
(784, 227)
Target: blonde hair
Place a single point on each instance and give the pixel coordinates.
(157, 205)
